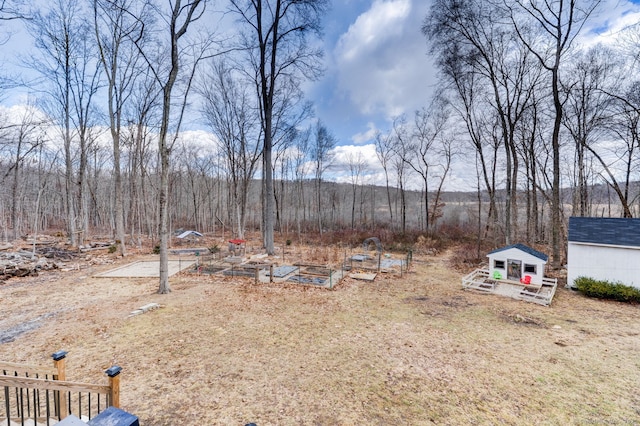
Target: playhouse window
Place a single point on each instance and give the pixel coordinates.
(498, 264)
(529, 269)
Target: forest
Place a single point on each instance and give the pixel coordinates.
(147, 117)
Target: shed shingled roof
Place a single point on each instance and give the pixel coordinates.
(523, 248)
(605, 230)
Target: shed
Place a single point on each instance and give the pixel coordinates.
(517, 262)
(604, 249)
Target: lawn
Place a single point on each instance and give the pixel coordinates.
(411, 350)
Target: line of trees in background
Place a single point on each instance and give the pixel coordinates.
(146, 59)
(539, 110)
(521, 104)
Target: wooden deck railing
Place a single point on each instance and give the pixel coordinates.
(43, 396)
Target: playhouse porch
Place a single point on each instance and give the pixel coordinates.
(481, 280)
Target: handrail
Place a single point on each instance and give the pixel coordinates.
(27, 370)
(52, 385)
(41, 393)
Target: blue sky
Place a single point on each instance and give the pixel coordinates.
(377, 66)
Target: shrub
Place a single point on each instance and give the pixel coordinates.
(113, 248)
(607, 290)
(467, 255)
(156, 249)
(214, 249)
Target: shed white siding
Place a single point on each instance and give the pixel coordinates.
(517, 254)
(602, 262)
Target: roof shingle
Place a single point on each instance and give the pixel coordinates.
(523, 248)
(605, 230)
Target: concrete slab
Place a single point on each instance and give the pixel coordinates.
(146, 269)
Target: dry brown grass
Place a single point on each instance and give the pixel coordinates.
(413, 350)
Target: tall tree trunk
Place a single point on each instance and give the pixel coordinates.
(269, 197)
(555, 143)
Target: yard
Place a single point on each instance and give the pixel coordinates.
(413, 350)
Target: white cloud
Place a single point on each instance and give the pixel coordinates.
(16, 114)
(382, 63)
(345, 154)
(611, 20)
(372, 28)
(366, 136)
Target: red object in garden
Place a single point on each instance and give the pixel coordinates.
(237, 242)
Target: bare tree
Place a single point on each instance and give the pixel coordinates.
(587, 110)
(322, 157)
(12, 9)
(356, 164)
(560, 22)
(182, 62)
(530, 148)
(429, 124)
(300, 157)
(24, 140)
(141, 113)
(66, 63)
(384, 152)
(618, 161)
(228, 111)
(275, 40)
(488, 48)
(400, 161)
(116, 32)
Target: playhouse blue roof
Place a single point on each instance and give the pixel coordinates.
(523, 248)
(605, 230)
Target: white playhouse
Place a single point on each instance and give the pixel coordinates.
(516, 271)
(518, 262)
(604, 248)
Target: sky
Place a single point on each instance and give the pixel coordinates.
(378, 67)
(377, 62)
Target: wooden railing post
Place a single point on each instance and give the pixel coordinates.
(59, 364)
(114, 385)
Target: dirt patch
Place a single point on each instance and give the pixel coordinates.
(12, 333)
(415, 349)
(517, 318)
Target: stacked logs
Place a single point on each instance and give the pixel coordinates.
(23, 263)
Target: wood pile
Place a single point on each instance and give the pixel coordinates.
(22, 263)
(56, 253)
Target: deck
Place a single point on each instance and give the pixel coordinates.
(480, 280)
